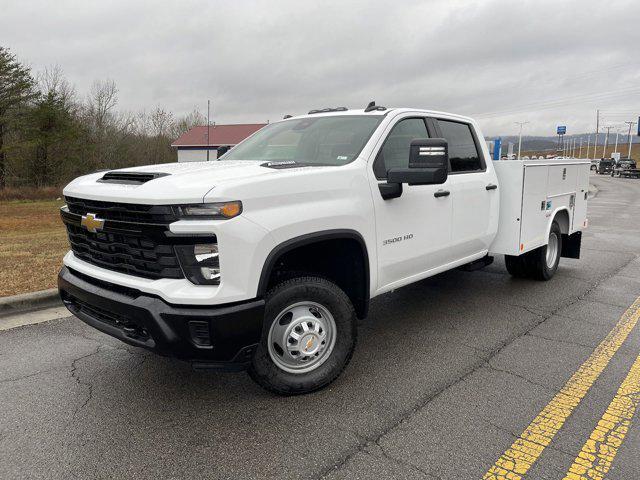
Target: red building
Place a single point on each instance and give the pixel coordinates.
(192, 146)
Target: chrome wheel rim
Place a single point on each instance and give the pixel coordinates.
(552, 249)
(302, 337)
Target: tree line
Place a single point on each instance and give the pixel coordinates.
(49, 134)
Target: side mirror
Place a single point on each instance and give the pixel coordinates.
(428, 165)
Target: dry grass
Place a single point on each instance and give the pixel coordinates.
(30, 193)
(32, 243)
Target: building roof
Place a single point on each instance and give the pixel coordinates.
(220, 135)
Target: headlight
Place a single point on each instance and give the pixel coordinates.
(200, 263)
(218, 211)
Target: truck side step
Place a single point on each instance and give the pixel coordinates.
(477, 264)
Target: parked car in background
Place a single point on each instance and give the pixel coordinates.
(606, 166)
(626, 167)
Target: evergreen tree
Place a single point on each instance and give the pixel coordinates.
(17, 88)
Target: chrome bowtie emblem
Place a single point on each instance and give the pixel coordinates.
(92, 223)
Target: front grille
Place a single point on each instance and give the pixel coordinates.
(129, 253)
(124, 212)
(133, 239)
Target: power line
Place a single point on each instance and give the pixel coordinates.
(561, 102)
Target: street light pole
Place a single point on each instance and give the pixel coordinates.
(606, 142)
(616, 147)
(631, 124)
(580, 154)
(520, 137)
(589, 144)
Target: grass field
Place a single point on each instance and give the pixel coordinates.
(32, 244)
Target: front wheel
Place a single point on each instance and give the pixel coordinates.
(308, 337)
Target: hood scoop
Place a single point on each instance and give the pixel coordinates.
(130, 178)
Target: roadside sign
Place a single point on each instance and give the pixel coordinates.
(562, 129)
(497, 148)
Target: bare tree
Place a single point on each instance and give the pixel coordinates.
(103, 98)
(187, 122)
(51, 81)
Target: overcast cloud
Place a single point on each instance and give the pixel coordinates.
(548, 62)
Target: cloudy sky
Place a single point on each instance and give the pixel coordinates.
(546, 62)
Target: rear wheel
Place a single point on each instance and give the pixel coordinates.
(517, 266)
(308, 337)
(544, 260)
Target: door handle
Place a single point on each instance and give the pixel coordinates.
(491, 186)
(442, 193)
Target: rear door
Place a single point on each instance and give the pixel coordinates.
(473, 187)
(414, 230)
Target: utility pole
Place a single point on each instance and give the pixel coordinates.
(616, 147)
(208, 128)
(580, 154)
(589, 144)
(631, 124)
(606, 141)
(575, 141)
(520, 137)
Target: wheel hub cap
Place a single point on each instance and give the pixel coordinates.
(301, 337)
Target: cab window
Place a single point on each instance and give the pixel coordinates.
(463, 151)
(395, 150)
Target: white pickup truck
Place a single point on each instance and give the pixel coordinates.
(266, 258)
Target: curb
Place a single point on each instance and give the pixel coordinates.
(29, 301)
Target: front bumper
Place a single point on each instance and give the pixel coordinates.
(212, 337)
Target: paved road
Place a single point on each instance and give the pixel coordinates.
(447, 375)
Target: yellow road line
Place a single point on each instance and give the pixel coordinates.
(520, 457)
(597, 454)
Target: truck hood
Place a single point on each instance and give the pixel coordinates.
(175, 183)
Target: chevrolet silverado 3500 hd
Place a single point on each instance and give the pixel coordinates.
(265, 259)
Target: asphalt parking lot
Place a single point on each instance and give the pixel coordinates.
(448, 377)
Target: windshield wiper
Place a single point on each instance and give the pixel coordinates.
(280, 164)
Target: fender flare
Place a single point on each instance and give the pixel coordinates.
(308, 239)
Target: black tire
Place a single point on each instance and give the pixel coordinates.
(264, 371)
(540, 269)
(517, 266)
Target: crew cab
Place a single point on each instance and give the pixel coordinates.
(265, 259)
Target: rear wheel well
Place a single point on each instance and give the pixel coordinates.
(562, 219)
(340, 259)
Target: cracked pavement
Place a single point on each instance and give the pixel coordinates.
(446, 374)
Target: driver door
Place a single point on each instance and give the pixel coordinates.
(413, 231)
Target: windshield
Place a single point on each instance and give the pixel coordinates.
(333, 140)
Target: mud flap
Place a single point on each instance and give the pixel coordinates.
(571, 245)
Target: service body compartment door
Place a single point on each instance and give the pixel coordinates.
(510, 177)
(535, 207)
(582, 191)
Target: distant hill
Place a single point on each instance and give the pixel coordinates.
(551, 143)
